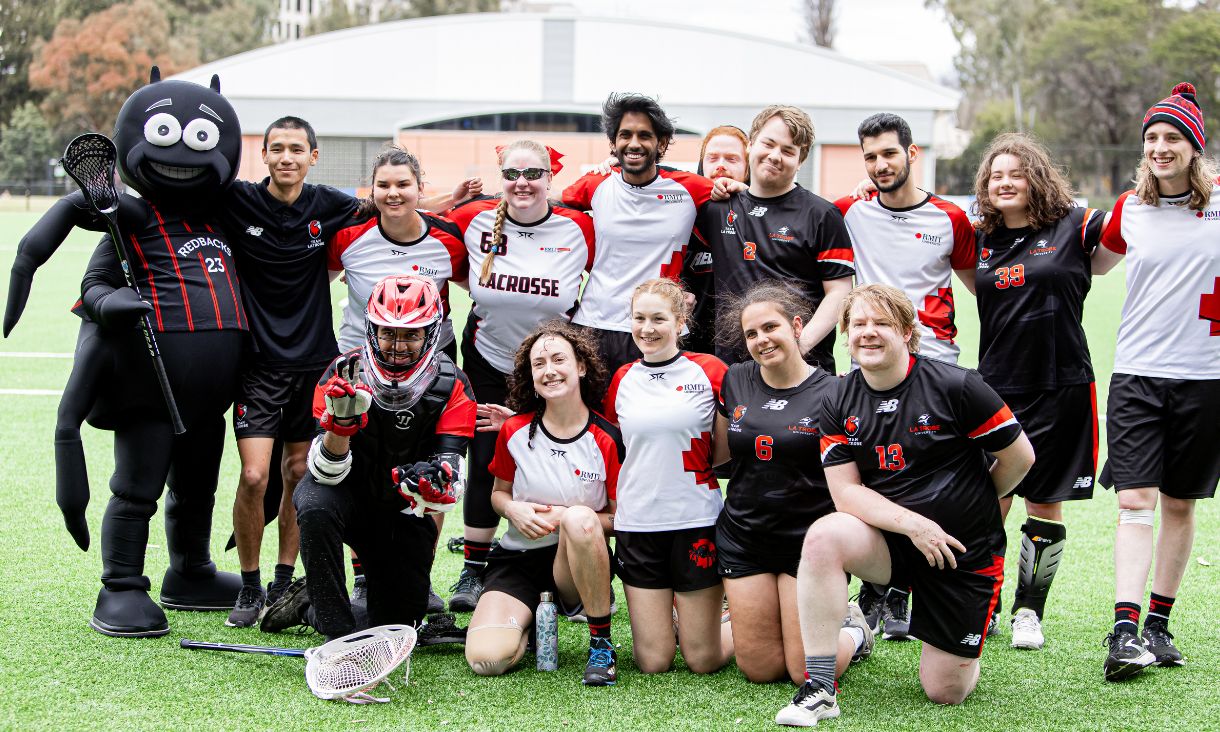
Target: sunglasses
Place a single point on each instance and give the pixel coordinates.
(529, 173)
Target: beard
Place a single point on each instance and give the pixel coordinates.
(650, 160)
(900, 180)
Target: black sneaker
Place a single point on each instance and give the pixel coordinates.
(360, 592)
(1159, 642)
(811, 703)
(441, 628)
(435, 603)
(275, 590)
(993, 625)
(1127, 656)
(466, 591)
(602, 668)
(289, 610)
(870, 602)
(896, 616)
(456, 544)
(245, 612)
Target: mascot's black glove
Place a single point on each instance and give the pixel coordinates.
(427, 487)
(115, 309)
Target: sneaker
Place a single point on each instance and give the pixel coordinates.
(896, 616)
(870, 602)
(466, 591)
(811, 703)
(602, 669)
(1027, 630)
(441, 628)
(360, 592)
(435, 603)
(1159, 642)
(856, 619)
(249, 605)
(289, 610)
(275, 590)
(456, 544)
(993, 625)
(1127, 656)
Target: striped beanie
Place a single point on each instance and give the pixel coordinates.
(1182, 111)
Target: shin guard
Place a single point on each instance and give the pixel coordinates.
(1042, 543)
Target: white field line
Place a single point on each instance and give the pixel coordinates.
(33, 354)
(31, 392)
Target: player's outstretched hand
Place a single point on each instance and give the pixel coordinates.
(347, 398)
(491, 417)
(524, 515)
(725, 187)
(935, 545)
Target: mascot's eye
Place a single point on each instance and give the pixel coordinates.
(163, 130)
(201, 134)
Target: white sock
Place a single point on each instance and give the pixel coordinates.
(857, 636)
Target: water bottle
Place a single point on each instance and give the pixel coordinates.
(546, 625)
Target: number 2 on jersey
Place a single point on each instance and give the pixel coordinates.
(889, 457)
(748, 250)
(1013, 276)
(762, 446)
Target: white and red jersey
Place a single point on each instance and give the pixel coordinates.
(642, 233)
(578, 471)
(1170, 325)
(916, 250)
(536, 274)
(666, 411)
(367, 255)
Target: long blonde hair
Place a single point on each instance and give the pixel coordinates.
(497, 229)
(1202, 179)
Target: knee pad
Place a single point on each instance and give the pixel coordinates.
(493, 649)
(1140, 516)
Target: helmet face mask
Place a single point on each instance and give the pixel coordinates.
(402, 328)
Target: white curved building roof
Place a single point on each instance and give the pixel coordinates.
(373, 80)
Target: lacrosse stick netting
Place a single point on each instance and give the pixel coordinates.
(348, 667)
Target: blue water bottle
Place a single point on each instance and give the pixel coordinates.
(546, 624)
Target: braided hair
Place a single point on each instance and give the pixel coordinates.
(521, 394)
(497, 229)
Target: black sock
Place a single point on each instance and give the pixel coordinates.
(253, 578)
(1127, 616)
(1158, 609)
(357, 569)
(599, 627)
(283, 573)
(476, 554)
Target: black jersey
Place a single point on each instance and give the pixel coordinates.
(921, 445)
(1031, 288)
(698, 280)
(797, 238)
(281, 250)
(776, 490)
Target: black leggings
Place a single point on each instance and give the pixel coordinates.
(490, 387)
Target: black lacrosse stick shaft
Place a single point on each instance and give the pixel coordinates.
(241, 648)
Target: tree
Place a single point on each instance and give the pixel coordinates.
(90, 66)
(820, 22)
(26, 146)
(222, 29)
(23, 23)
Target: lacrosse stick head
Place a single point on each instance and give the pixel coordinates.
(89, 160)
(355, 663)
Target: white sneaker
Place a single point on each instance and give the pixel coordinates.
(810, 704)
(1027, 630)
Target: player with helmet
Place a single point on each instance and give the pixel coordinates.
(396, 416)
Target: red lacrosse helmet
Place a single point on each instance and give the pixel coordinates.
(399, 369)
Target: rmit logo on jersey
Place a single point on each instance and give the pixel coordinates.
(692, 388)
(758, 211)
(658, 376)
(422, 269)
(587, 476)
(200, 242)
(924, 425)
(558, 453)
(775, 405)
(887, 405)
(671, 197)
(554, 250)
(930, 238)
(1209, 215)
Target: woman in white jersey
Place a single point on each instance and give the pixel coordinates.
(556, 466)
(1161, 424)
(665, 524)
(527, 256)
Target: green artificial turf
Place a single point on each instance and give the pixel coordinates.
(56, 673)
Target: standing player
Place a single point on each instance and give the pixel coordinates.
(1162, 428)
(907, 443)
(556, 467)
(668, 498)
(278, 228)
(396, 417)
(1033, 276)
(531, 273)
(768, 422)
(643, 217)
(778, 230)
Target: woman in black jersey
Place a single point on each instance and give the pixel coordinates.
(1033, 271)
(768, 422)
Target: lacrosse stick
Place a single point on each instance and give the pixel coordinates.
(90, 159)
(346, 668)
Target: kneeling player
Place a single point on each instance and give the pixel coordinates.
(396, 417)
(905, 444)
(556, 468)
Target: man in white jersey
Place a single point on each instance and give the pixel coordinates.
(643, 216)
(1161, 420)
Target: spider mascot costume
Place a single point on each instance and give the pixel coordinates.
(179, 146)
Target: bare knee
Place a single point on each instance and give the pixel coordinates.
(761, 671)
(293, 469)
(1177, 509)
(820, 550)
(651, 663)
(1137, 499)
(951, 695)
(493, 650)
(253, 480)
(581, 524)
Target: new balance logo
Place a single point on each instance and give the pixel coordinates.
(887, 405)
(659, 376)
(254, 230)
(776, 405)
(1084, 481)
(758, 211)
(558, 453)
(972, 639)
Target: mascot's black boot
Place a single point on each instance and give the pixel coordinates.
(215, 591)
(192, 582)
(128, 613)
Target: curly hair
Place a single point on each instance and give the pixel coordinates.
(786, 300)
(521, 394)
(1050, 194)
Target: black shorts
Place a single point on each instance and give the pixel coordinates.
(739, 555)
(1163, 433)
(524, 574)
(274, 403)
(950, 608)
(615, 348)
(683, 560)
(1062, 426)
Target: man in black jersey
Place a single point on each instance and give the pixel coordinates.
(775, 229)
(906, 443)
